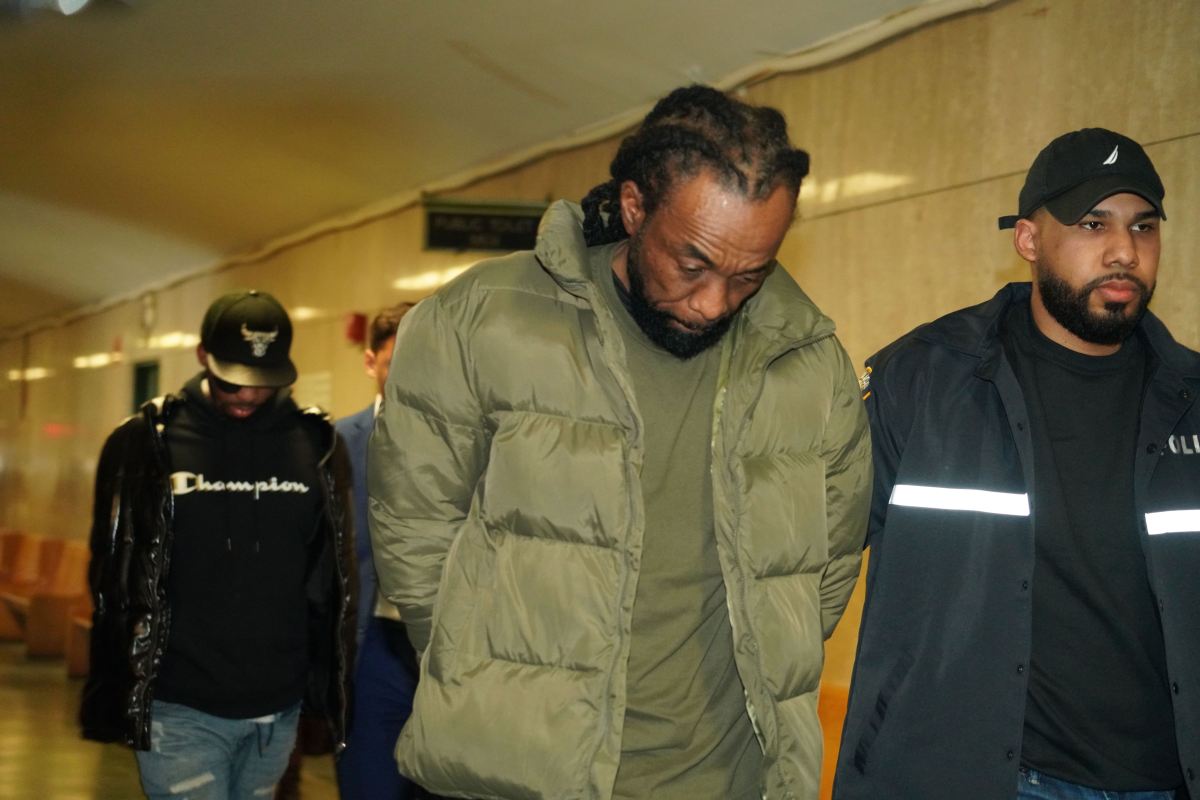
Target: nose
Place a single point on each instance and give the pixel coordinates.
(1122, 249)
(710, 301)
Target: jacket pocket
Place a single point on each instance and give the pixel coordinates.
(874, 725)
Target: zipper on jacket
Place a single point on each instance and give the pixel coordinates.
(714, 448)
(718, 416)
(606, 334)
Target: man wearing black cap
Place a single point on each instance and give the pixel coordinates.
(220, 568)
(1031, 619)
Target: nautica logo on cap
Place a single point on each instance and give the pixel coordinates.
(259, 340)
(1112, 157)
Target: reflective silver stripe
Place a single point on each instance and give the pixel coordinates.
(1014, 505)
(1186, 520)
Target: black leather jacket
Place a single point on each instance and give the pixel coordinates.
(131, 559)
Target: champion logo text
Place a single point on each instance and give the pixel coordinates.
(188, 482)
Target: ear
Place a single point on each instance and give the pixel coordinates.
(1026, 240)
(202, 355)
(633, 208)
(369, 361)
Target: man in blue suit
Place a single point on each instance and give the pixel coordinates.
(386, 673)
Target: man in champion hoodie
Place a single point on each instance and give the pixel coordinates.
(221, 568)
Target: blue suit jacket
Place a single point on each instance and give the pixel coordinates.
(355, 431)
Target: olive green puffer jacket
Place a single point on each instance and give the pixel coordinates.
(507, 521)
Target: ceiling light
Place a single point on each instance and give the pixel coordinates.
(302, 313)
(96, 360)
(30, 374)
(171, 341)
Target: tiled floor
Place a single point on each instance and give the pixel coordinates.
(43, 758)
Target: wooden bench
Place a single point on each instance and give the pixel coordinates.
(43, 610)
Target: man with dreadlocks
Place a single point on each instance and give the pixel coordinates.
(619, 486)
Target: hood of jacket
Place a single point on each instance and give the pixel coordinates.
(276, 411)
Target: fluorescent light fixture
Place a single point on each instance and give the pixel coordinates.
(302, 313)
(428, 281)
(96, 360)
(31, 374)
(171, 341)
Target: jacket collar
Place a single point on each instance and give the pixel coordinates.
(561, 248)
(779, 317)
(976, 331)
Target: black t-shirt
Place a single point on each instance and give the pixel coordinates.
(247, 502)
(1098, 708)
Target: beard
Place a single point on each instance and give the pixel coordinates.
(1069, 307)
(661, 327)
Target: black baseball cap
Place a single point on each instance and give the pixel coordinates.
(1079, 169)
(247, 336)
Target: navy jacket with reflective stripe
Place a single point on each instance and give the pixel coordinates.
(937, 699)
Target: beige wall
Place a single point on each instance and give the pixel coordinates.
(917, 145)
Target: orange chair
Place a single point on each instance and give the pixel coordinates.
(20, 573)
(49, 614)
(42, 609)
(10, 547)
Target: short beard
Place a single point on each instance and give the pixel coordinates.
(659, 326)
(1070, 307)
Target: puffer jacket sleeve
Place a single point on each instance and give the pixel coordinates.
(847, 454)
(427, 453)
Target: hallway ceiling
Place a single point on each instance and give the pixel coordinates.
(151, 138)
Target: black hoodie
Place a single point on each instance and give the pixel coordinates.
(247, 502)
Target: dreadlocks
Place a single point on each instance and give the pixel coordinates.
(694, 128)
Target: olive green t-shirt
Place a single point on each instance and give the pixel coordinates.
(687, 733)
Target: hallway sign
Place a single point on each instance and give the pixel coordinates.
(451, 225)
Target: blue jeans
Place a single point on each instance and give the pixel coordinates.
(197, 756)
(1034, 785)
